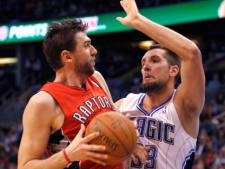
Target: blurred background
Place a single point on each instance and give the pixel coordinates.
(23, 68)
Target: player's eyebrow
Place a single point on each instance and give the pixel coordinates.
(87, 41)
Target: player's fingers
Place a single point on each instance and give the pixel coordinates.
(96, 155)
(97, 158)
(141, 156)
(124, 4)
(135, 160)
(95, 148)
(141, 153)
(137, 132)
(135, 123)
(90, 137)
(147, 148)
(103, 163)
(128, 115)
(120, 19)
(81, 131)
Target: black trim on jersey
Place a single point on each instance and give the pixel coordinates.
(74, 165)
(56, 137)
(190, 161)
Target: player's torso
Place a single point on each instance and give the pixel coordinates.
(78, 106)
(170, 146)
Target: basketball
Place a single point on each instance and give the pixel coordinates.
(117, 133)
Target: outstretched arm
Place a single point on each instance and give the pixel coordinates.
(189, 98)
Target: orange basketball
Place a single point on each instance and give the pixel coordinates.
(117, 133)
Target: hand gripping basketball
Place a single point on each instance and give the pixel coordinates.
(117, 133)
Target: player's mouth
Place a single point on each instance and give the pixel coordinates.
(148, 76)
(93, 62)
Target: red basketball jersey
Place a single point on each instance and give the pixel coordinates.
(79, 106)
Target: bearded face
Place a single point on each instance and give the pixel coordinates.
(156, 71)
(86, 68)
(84, 54)
(153, 86)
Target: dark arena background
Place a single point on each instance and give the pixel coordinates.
(23, 68)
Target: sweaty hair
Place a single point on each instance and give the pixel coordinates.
(61, 36)
(172, 58)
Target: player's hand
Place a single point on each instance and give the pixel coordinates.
(79, 149)
(131, 10)
(140, 152)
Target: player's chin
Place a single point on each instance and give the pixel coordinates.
(92, 66)
(93, 70)
(90, 71)
(148, 81)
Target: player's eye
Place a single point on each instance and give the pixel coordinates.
(87, 44)
(155, 61)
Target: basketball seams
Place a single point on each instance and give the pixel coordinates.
(130, 132)
(116, 134)
(113, 133)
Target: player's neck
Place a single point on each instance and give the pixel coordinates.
(71, 80)
(153, 100)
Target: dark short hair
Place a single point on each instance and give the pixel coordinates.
(172, 58)
(61, 36)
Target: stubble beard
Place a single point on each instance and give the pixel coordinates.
(152, 86)
(86, 69)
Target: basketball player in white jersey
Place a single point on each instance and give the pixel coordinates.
(167, 117)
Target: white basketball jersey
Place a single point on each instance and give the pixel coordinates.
(170, 146)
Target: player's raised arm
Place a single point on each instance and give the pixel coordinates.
(189, 98)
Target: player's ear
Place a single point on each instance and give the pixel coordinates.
(66, 56)
(174, 70)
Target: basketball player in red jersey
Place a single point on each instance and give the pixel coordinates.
(54, 119)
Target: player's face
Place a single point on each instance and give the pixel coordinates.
(155, 71)
(84, 55)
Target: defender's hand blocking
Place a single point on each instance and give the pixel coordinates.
(131, 10)
(141, 153)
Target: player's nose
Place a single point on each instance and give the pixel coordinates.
(93, 51)
(146, 67)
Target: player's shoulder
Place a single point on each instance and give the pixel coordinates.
(41, 99)
(41, 96)
(133, 98)
(41, 109)
(134, 95)
(97, 75)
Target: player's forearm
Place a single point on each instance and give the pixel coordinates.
(172, 40)
(56, 161)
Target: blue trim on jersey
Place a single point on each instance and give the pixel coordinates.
(153, 111)
(188, 158)
(139, 106)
